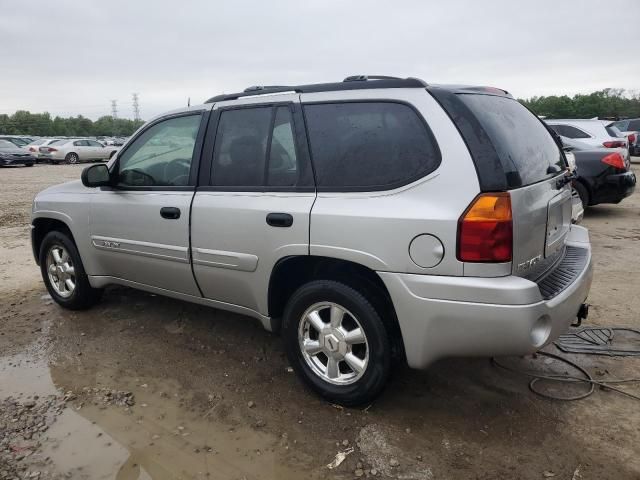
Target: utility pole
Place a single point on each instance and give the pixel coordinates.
(114, 116)
(136, 107)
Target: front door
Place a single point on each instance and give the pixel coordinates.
(140, 228)
(252, 208)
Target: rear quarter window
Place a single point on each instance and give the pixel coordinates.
(369, 145)
(525, 147)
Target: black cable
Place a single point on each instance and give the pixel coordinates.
(564, 378)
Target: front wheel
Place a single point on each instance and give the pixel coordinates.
(336, 342)
(63, 273)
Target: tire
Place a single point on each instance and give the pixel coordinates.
(583, 193)
(82, 296)
(72, 158)
(29, 165)
(344, 386)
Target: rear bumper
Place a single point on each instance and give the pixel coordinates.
(615, 188)
(470, 316)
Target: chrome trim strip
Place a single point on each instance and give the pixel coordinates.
(161, 251)
(244, 262)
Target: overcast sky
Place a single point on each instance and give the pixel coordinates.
(73, 57)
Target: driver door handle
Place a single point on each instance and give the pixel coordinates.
(170, 213)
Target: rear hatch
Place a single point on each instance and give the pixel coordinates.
(513, 151)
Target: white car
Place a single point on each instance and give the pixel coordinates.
(76, 150)
(591, 133)
(34, 147)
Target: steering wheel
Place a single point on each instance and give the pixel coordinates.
(176, 172)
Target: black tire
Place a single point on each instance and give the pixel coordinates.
(72, 158)
(375, 375)
(83, 295)
(582, 193)
(29, 165)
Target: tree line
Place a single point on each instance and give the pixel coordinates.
(610, 103)
(44, 125)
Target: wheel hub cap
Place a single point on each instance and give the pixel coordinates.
(61, 272)
(333, 343)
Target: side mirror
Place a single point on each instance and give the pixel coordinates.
(96, 176)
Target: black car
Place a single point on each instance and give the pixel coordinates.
(12, 155)
(603, 176)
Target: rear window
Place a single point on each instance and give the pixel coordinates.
(634, 125)
(526, 149)
(369, 145)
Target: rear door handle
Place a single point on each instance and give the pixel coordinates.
(171, 213)
(279, 219)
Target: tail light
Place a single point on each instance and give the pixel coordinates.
(632, 138)
(51, 149)
(32, 149)
(485, 229)
(615, 144)
(615, 160)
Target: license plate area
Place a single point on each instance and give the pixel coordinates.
(558, 221)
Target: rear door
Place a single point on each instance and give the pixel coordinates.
(97, 150)
(253, 203)
(533, 168)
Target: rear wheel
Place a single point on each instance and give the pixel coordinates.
(72, 158)
(336, 342)
(29, 165)
(582, 193)
(63, 273)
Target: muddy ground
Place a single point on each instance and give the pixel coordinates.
(145, 387)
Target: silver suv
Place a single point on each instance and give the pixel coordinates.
(369, 221)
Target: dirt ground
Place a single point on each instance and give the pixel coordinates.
(145, 387)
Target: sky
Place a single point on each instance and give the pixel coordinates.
(72, 57)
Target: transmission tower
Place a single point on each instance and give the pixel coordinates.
(114, 116)
(136, 107)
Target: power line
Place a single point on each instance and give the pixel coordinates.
(136, 107)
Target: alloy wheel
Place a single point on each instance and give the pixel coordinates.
(333, 343)
(61, 272)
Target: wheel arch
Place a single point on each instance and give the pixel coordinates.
(290, 273)
(40, 226)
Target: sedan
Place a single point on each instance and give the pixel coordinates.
(10, 154)
(593, 133)
(34, 147)
(76, 150)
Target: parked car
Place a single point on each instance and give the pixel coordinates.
(631, 129)
(10, 154)
(397, 220)
(34, 147)
(76, 150)
(604, 176)
(587, 132)
(17, 141)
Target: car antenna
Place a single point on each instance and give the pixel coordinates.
(188, 101)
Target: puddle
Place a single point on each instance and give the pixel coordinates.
(158, 438)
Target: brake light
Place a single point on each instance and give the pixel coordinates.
(615, 160)
(32, 149)
(51, 149)
(632, 138)
(485, 229)
(615, 144)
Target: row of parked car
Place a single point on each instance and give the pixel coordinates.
(16, 150)
(601, 150)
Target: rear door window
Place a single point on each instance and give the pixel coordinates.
(526, 149)
(634, 125)
(368, 145)
(569, 131)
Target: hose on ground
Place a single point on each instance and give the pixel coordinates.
(566, 378)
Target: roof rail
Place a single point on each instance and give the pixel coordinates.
(355, 82)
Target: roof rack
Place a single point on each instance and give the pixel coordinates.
(354, 82)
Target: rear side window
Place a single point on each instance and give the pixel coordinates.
(634, 125)
(526, 149)
(368, 145)
(569, 131)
